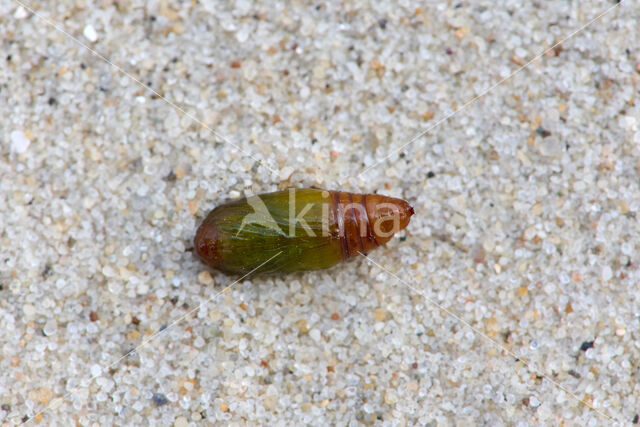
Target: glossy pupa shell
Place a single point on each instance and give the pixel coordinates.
(297, 230)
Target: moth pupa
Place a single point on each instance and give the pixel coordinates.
(308, 229)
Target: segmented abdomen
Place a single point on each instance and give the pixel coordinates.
(365, 221)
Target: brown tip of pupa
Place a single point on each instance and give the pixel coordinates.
(206, 243)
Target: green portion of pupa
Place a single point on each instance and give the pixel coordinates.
(241, 235)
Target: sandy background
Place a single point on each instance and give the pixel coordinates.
(526, 228)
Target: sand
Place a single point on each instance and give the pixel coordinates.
(511, 299)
